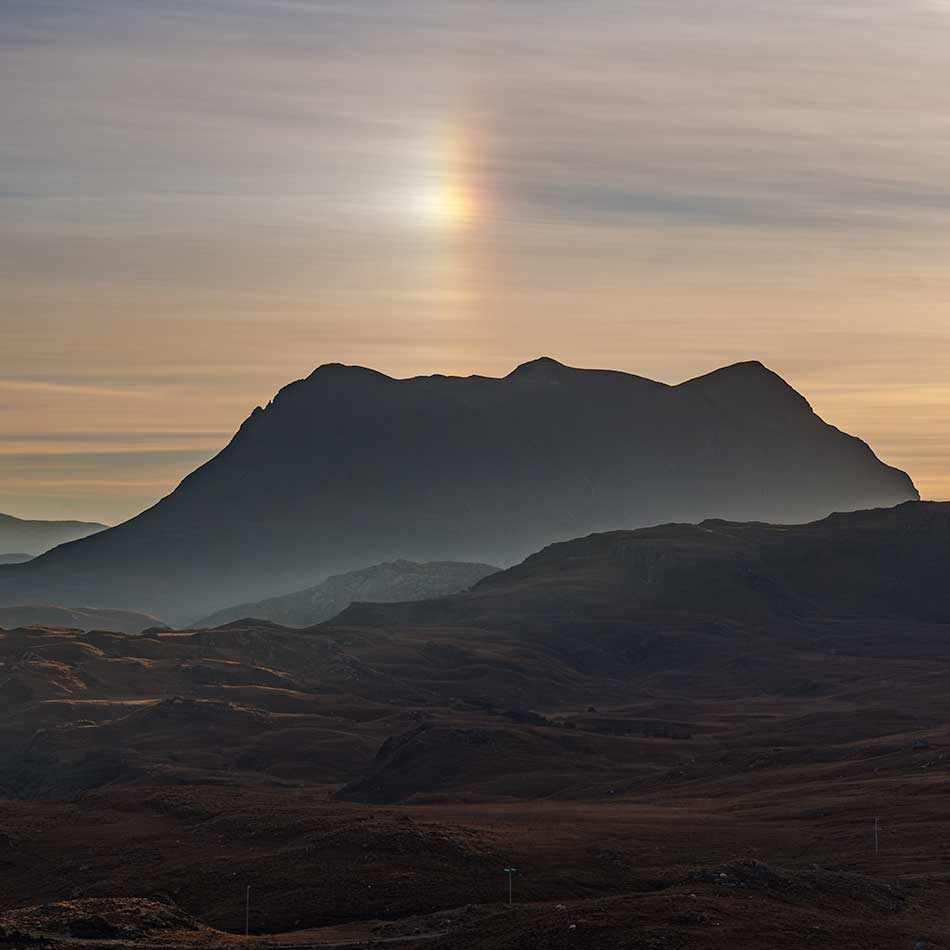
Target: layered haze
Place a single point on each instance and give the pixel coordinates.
(199, 201)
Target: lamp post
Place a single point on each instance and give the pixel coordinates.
(511, 873)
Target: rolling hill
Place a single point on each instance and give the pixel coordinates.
(76, 618)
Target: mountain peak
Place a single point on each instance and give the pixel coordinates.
(745, 369)
(748, 380)
(748, 366)
(339, 370)
(543, 371)
(543, 364)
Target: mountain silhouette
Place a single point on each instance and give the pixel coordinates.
(381, 583)
(350, 467)
(34, 537)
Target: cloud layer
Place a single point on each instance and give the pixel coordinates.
(202, 200)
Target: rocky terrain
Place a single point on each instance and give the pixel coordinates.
(98, 919)
(691, 736)
(383, 583)
(350, 467)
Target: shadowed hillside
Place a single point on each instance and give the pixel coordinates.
(883, 563)
(350, 467)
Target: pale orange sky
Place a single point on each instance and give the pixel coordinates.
(201, 202)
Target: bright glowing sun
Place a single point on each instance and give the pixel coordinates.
(455, 203)
(449, 197)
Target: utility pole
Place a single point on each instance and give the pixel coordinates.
(247, 911)
(511, 873)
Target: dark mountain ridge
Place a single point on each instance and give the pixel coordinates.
(886, 564)
(351, 467)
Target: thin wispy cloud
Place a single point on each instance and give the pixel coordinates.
(217, 195)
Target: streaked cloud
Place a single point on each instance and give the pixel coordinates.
(202, 200)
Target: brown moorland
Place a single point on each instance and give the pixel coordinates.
(712, 736)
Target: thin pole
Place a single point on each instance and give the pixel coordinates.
(247, 911)
(510, 872)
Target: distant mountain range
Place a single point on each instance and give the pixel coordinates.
(350, 467)
(382, 583)
(34, 537)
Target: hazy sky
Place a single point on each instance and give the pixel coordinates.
(202, 200)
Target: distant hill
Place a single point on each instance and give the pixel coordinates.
(35, 537)
(382, 583)
(350, 467)
(75, 618)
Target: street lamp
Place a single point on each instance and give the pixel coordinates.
(511, 873)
